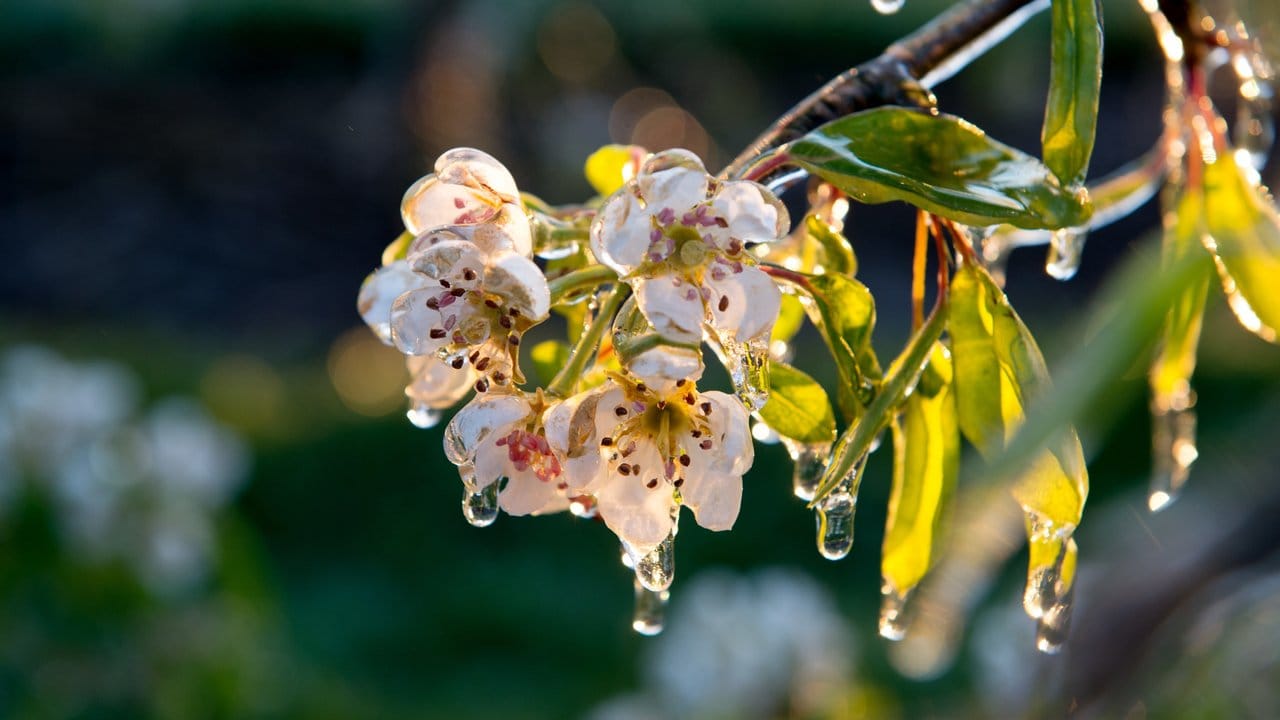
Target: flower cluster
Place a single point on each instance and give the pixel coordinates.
(622, 432)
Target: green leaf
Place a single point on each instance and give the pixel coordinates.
(1175, 359)
(845, 314)
(926, 464)
(1071, 111)
(836, 254)
(998, 371)
(798, 407)
(1245, 232)
(790, 319)
(548, 357)
(939, 163)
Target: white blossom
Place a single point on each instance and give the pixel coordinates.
(468, 188)
(679, 236)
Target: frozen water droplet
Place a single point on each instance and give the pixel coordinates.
(1051, 570)
(657, 569)
(480, 507)
(1065, 247)
(650, 612)
(628, 561)
(585, 507)
(764, 434)
(887, 7)
(1173, 443)
(423, 416)
(810, 462)
(835, 517)
(1052, 627)
(893, 619)
(748, 365)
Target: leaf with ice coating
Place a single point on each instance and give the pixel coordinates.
(845, 314)
(1071, 111)
(1245, 232)
(798, 407)
(1176, 358)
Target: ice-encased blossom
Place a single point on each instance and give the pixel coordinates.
(500, 436)
(475, 308)
(468, 188)
(642, 453)
(678, 236)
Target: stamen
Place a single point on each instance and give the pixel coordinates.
(437, 333)
(482, 385)
(724, 303)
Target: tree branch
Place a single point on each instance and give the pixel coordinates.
(895, 76)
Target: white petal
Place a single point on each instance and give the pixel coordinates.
(517, 279)
(478, 169)
(485, 418)
(434, 383)
(412, 322)
(571, 431)
(430, 203)
(750, 300)
(731, 432)
(715, 499)
(662, 367)
(620, 232)
(674, 310)
(634, 512)
(754, 214)
(509, 230)
(679, 188)
(525, 493)
(559, 502)
(450, 260)
(380, 290)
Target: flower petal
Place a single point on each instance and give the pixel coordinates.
(744, 301)
(430, 203)
(485, 418)
(662, 367)
(525, 493)
(636, 513)
(434, 383)
(412, 322)
(620, 233)
(672, 306)
(477, 169)
(731, 431)
(380, 291)
(754, 214)
(571, 431)
(714, 498)
(517, 279)
(509, 230)
(452, 260)
(674, 179)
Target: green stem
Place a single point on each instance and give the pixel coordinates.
(856, 440)
(633, 347)
(587, 343)
(582, 279)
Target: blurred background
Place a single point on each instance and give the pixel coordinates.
(211, 504)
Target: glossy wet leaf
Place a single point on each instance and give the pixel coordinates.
(834, 252)
(547, 358)
(939, 163)
(926, 464)
(845, 314)
(1071, 111)
(1175, 358)
(790, 319)
(998, 371)
(798, 407)
(1245, 231)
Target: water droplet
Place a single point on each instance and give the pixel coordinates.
(585, 507)
(628, 561)
(651, 607)
(810, 462)
(423, 416)
(835, 517)
(1053, 626)
(887, 7)
(893, 619)
(1174, 450)
(1050, 572)
(764, 434)
(1065, 248)
(748, 365)
(657, 569)
(480, 507)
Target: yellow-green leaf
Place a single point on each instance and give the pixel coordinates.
(1175, 359)
(798, 407)
(610, 167)
(1245, 232)
(1071, 111)
(926, 463)
(548, 357)
(397, 249)
(790, 319)
(845, 314)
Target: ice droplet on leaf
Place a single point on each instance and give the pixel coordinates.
(810, 462)
(650, 610)
(480, 506)
(893, 619)
(748, 366)
(1065, 248)
(657, 569)
(1051, 568)
(887, 7)
(1052, 627)
(423, 416)
(835, 516)
(1173, 441)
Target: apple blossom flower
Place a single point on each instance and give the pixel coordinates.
(678, 236)
(476, 307)
(643, 453)
(500, 436)
(468, 188)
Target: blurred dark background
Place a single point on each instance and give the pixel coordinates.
(194, 189)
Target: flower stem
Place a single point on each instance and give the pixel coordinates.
(587, 343)
(582, 279)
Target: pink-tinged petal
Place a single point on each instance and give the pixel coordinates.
(479, 423)
(434, 383)
(714, 498)
(731, 431)
(477, 169)
(744, 301)
(517, 279)
(458, 262)
(620, 232)
(508, 230)
(674, 310)
(754, 214)
(430, 203)
(412, 323)
(571, 431)
(662, 367)
(558, 503)
(525, 493)
(678, 188)
(380, 291)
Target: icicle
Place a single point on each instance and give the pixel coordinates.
(748, 366)
(810, 462)
(657, 569)
(1174, 450)
(480, 507)
(835, 516)
(1065, 248)
(1052, 566)
(893, 619)
(423, 416)
(1254, 131)
(887, 7)
(1052, 627)
(651, 606)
